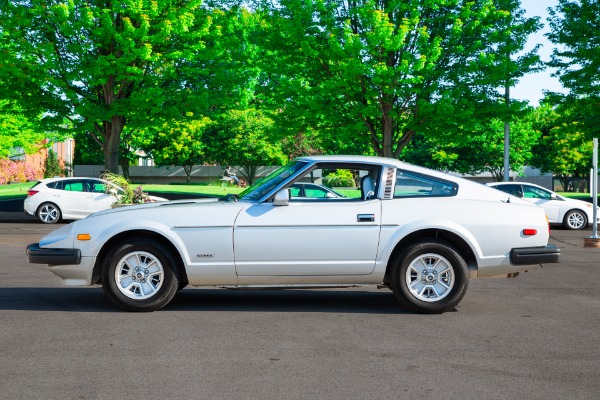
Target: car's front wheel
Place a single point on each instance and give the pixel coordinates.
(575, 219)
(49, 213)
(429, 277)
(139, 275)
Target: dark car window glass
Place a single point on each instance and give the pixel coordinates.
(96, 187)
(415, 185)
(51, 185)
(531, 192)
(515, 190)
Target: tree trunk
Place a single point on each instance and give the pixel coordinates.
(112, 136)
(188, 172)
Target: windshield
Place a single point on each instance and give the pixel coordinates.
(265, 185)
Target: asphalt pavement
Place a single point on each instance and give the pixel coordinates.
(536, 336)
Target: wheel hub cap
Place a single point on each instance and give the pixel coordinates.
(430, 277)
(139, 275)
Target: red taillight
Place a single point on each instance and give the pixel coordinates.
(31, 192)
(529, 232)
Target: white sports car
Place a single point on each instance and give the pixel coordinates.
(419, 232)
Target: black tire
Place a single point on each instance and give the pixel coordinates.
(49, 213)
(140, 275)
(429, 277)
(575, 220)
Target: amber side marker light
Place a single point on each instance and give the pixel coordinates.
(529, 232)
(84, 236)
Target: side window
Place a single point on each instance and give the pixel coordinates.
(74, 186)
(515, 190)
(530, 192)
(96, 187)
(51, 185)
(409, 184)
(336, 182)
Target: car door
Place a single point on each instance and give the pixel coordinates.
(97, 197)
(543, 198)
(308, 237)
(71, 198)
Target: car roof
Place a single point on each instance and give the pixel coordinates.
(70, 178)
(516, 183)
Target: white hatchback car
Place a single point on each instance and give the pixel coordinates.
(419, 232)
(54, 199)
(570, 213)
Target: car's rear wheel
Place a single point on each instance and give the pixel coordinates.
(49, 213)
(429, 277)
(139, 275)
(575, 219)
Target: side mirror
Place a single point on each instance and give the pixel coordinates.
(553, 197)
(112, 191)
(282, 198)
(330, 195)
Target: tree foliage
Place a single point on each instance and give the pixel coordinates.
(18, 131)
(52, 166)
(245, 138)
(102, 64)
(480, 151)
(178, 142)
(574, 26)
(563, 149)
(379, 72)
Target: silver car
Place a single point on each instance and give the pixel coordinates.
(421, 233)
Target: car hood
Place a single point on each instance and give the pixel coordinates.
(127, 208)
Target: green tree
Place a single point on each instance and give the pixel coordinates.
(103, 64)
(18, 131)
(178, 143)
(52, 165)
(574, 27)
(379, 72)
(480, 151)
(563, 149)
(246, 139)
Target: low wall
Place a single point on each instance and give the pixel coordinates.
(165, 175)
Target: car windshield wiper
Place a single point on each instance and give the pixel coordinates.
(230, 198)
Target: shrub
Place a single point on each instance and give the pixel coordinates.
(339, 178)
(16, 171)
(52, 166)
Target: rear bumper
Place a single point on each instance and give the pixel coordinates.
(535, 255)
(37, 255)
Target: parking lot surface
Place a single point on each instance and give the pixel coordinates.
(536, 336)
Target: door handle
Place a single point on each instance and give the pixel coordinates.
(365, 218)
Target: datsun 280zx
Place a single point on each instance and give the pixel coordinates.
(419, 232)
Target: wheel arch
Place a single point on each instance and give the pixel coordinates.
(39, 207)
(138, 233)
(454, 240)
(581, 210)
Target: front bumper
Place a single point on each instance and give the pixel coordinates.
(37, 255)
(535, 255)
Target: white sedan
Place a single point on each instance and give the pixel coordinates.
(419, 232)
(570, 213)
(54, 199)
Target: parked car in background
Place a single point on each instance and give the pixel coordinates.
(570, 213)
(54, 199)
(419, 232)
